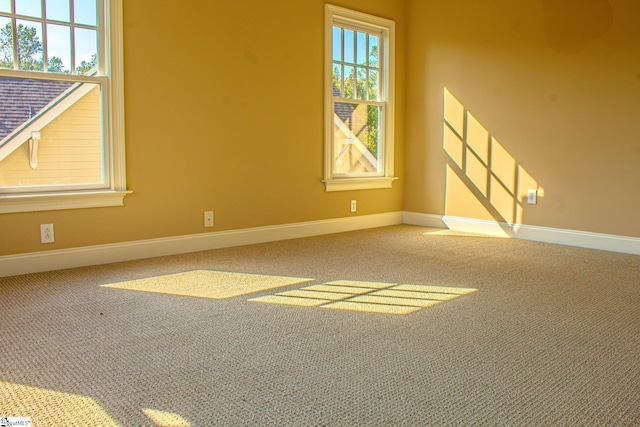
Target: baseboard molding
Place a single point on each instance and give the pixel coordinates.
(12, 265)
(583, 239)
(423, 220)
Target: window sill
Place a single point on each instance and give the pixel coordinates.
(346, 184)
(11, 203)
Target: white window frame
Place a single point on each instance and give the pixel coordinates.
(335, 15)
(113, 130)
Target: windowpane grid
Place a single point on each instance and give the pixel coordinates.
(6, 50)
(361, 49)
(5, 6)
(40, 40)
(58, 46)
(32, 8)
(357, 136)
(58, 10)
(28, 44)
(52, 133)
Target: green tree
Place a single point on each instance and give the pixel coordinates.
(29, 50)
(86, 66)
(357, 86)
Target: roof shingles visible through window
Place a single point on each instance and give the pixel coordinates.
(22, 99)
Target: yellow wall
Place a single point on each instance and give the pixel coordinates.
(555, 83)
(224, 112)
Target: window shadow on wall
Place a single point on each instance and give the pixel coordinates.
(486, 187)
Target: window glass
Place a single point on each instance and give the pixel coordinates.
(69, 151)
(357, 134)
(5, 6)
(373, 51)
(86, 50)
(6, 43)
(58, 10)
(349, 56)
(60, 134)
(373, 85)
(31, 8)
(336, 80)
(84, 12)
(29, 45)
(359, 103)
(59, 48)
(337, 44)
(361, 48)
(361, 83)
(349, 81)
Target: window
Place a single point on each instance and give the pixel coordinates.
(359, 100)
(61, 104)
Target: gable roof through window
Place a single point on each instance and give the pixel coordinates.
(24, 99)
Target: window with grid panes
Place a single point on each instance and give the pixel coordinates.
(359, 94)
(61, 104)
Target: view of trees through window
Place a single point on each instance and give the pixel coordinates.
(355, 75)
(30, 52)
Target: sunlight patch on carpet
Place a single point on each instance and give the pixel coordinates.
(371, 297)
(166, 419)
(280, 299)
(51, 408)
(208, 284)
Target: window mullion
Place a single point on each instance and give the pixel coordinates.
(366, 63)
(14, 30)
(102, 47)
(45, 38)
(354, 95)
(358, 101)
(342, 87)
(72, 34)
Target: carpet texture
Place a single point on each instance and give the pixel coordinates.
(551, 337)
(207, 284)
(371, 297)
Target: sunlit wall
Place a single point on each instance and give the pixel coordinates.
(224, 112)
(552, 87)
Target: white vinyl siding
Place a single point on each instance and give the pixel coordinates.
(70, 150)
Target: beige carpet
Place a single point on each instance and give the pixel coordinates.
(207, 284)
(50, 407)
(550, 337)
(371, 297)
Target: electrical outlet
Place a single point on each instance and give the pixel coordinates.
(46, 233)
(532, 197)
(208, 219)
(353, 206)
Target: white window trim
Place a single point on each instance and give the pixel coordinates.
(386, 178)
(113, 131)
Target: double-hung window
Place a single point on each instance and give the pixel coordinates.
(61, 104)
(359, 100)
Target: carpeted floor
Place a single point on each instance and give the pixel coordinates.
(550, 336)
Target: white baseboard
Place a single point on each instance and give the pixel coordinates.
(12, 265)
(583, 239)
(489, 228)
(423, 220)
